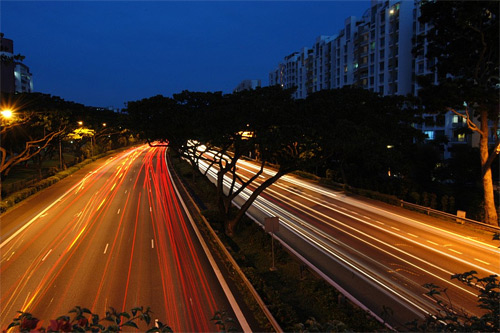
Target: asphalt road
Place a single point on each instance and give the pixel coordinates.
(115, 235)
(379, 255)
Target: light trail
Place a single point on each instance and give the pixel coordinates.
(312, 237)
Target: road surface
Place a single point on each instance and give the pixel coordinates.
(380, 256)
(119, 237)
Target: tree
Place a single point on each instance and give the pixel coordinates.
(451, 319)
(26, 136)
(220, 130)
(368, 134)
(464, 38)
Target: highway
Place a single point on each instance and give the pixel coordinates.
(378, 255)
(114, 234)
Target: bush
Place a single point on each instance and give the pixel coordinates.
(83, 320)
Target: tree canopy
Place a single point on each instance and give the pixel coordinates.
(269, 126)
(463, 37)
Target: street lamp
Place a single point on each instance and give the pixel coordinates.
(389, 171)
(7, 113)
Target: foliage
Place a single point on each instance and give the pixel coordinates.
(224, 322)
(83, 320)
(41, 123)
(451, 319)
(464, 37)
(219, 130)
(364, 131)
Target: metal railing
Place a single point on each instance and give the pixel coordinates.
(456, 218)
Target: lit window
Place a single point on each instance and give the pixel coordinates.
(429, 134)
(461, 137)
(455, 119)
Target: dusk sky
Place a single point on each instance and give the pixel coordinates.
(105, 53)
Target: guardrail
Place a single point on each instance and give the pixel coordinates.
(456, 218)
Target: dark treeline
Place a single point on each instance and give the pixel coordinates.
(349, 136)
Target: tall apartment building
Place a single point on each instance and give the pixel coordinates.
(373, 52)
(7, 65)
(23, 79)
(15, 76)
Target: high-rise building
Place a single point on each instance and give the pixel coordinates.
(23, 78)
(15, 76)
(7, 65)
(373, 52)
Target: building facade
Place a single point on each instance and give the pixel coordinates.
(23, 79)
(7, 65)
(15, 76)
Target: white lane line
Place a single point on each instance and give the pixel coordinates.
(455, 251)
(412, 235)
(395, 228)
(126, 191)
(47, 255)
(432, 243)
(10, 255)
(150, 208)
(118, 212)
(106, 248)
(152, 244)
(481, 261)
(26, 300)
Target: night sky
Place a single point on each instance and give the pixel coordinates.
(105, 53)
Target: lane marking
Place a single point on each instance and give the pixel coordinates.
(150, 208)
(455, 251)
(10, 255)
(395, 228)
(106, 248)
(412, 235)
(47, 255)
(101, 203)
(118, 212)
(481, 261)
(152, 244)
(433, 243)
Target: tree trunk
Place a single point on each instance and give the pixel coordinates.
(231, 223)
(490, 212)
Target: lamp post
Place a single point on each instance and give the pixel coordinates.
(389, 147)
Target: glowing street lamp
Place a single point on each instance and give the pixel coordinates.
(80, 122)
(7, 113)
